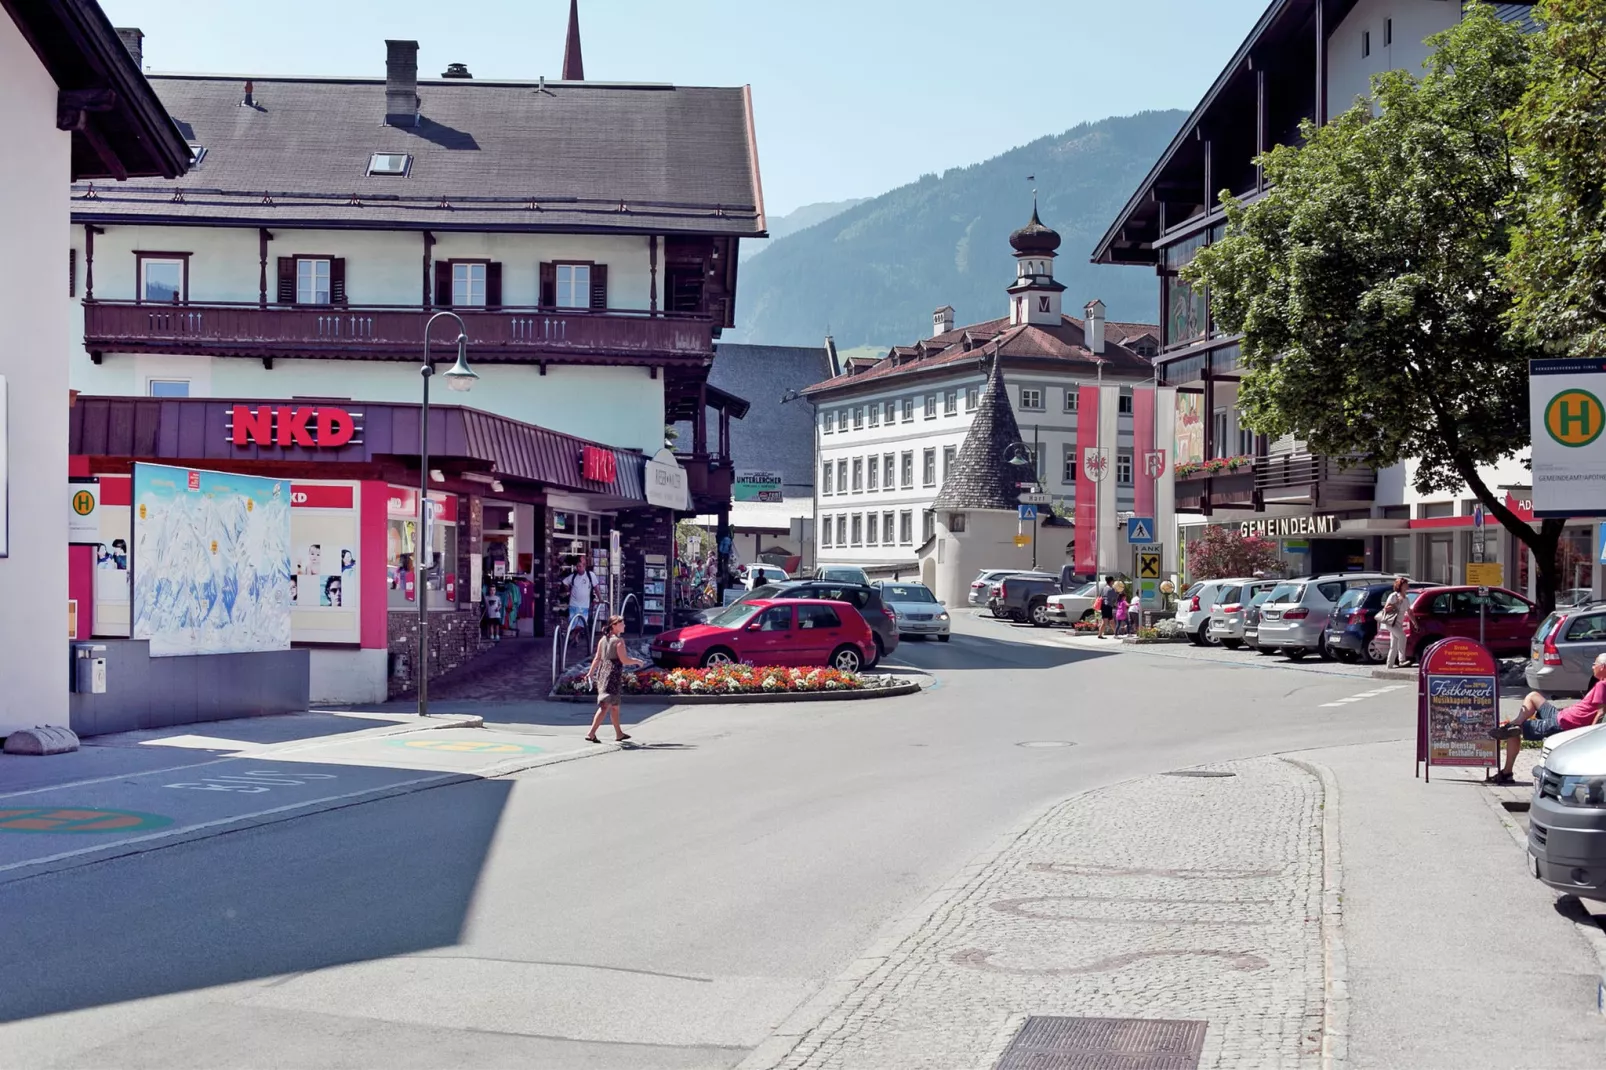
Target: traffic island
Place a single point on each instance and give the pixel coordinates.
(740, 684)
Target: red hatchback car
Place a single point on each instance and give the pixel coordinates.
(1440, 612)
(772, 631)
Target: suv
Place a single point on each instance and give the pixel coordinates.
(1193, 608)
(981, 587)
(1023, 596)
(1230, 612)
(1295, 618)
(866, 599)
(1563, 650)
(1567, 817)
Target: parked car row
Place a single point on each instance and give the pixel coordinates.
(1335, 616)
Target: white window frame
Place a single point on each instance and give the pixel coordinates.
(931, 406)
(573, 285)
(906, 470)
(151, 384)
(828, 421)
(856, 530)
(908, 410)
(858, 475)
(468, 282)
(888, 532)
(950, 403)
(1073, 398)
(872, 473)
(906, 527)
(858, 418)
(826, 532)
(889, 471)
(972, 397)
(826, 482)
(145, 263)
(1031, 398)
(949, 455)
(310, 271)
(928, 466)
(872, 525)
(875, 414)
(842, 476)
(1068, 476)
(842, 529)
(1123, 404)
(1123, 468)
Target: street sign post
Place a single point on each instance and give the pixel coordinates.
(1140, 531)
(1027, 512)
(1149, 595)
(1035, 499)
(1022, 540)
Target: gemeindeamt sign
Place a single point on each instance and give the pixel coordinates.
(1566, 417)
(1275, 527)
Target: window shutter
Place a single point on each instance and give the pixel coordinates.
(599, 287)
(287, 280)
(549, 284)
(493, 284)
(443, 284)
(337, 280)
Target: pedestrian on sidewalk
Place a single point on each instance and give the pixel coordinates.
(1123, 611)
(1106, 604)
(1539, 718)
(1395, 612)
(608, 670)
(582, 586)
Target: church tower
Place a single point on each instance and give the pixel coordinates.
(1034, 296)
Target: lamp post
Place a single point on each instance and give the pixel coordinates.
(1018, 455)
(460, 377)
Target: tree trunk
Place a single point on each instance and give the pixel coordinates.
(1543, 543)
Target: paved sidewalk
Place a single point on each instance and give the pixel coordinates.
(1164, 897)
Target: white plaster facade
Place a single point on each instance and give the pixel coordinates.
(1378, 36)
(621, 406)
(35, 171)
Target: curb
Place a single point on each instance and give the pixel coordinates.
(1335, 960)
(908, 688)
(1592, 934)
(156, 841)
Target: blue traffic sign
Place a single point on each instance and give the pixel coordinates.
(1140, 531)
(1027, 512)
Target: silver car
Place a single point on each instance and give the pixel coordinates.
(1563, 650)
(1230, 613)
(1295, 616)
(916, 609)
(1193, 608)
(1567, 817)
(981, 587)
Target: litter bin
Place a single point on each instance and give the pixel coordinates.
(89, 668)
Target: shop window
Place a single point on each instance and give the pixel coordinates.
(1397, 554)
(402, 551)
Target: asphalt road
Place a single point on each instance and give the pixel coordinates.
(664, 906)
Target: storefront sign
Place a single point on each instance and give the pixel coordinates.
(756, 485)
(1276, 528)
(310, 426)
(666, 482)
(598, 465)
(1566, 417)
(1458, 706)
(83, 511)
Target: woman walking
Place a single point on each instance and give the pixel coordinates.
(608, 669)
(1395, 612)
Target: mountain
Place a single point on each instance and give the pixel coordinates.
(792, 222)
(873, 273)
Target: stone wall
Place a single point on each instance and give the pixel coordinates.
(454, 638)
(641, 532)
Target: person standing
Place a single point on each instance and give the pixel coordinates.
(1395, 612)
(1123, 611)
(608, 670)
(581, 585)
(1107, 605)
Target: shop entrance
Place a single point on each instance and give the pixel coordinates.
(1337, 555)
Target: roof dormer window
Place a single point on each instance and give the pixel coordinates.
(389, 163)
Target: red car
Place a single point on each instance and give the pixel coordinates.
(1440, 612)
(772, 631)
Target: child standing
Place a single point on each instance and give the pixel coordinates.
(1122, 612)
(493, 613)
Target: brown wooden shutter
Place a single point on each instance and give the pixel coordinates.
(599, 287)
(549, 284)
(493, 284)
(287, 280)
(443, 284)
(337, 280)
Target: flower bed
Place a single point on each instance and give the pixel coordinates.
(728, 680)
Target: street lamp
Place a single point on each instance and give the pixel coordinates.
(1020, 456)
(460, 377)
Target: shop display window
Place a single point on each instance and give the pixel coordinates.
(402, 551)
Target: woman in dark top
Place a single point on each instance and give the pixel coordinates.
(608, 669)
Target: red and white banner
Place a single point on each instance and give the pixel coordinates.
(1087, 509)
(1143, 446)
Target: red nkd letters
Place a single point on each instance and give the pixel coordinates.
(316, 426)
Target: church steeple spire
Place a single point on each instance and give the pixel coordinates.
(1034, 296)
(574, 69)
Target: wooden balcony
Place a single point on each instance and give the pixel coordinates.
(708, 479)
(518, 335)
(1311, 479)
(1204, 492)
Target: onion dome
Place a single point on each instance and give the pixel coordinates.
(1034, 238)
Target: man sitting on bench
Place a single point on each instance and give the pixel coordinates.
(1539, 718)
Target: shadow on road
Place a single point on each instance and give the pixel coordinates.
(271, 900)
(971, 651)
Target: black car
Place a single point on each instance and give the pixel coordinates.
(867, 600)
(1353, 624)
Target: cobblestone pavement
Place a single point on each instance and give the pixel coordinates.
(1165, 897)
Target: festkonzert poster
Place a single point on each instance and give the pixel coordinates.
(211, 561)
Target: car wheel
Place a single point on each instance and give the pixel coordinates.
(1372, 655)
(847, 659)
(1039, 614)
(1017, 616)
(1232, 644)
(1204, 638)
(718, 656)
(1324, 649)
(942, 638)
(999, 614)
(1295, 653)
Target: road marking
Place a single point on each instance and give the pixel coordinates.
(254, 781)
(1374, 693)
(468, 746)
(74, 821)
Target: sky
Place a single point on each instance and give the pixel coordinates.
(851, 98)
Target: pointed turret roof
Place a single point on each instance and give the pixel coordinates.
(981, 476)
(574, 68)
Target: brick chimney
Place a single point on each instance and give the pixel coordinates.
(1093, 326)
(133, 39)
(401, 83)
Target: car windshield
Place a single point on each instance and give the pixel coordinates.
(1086, 591)
(1286, 592)
(906, 592)
(735, 616)
(1263, 596)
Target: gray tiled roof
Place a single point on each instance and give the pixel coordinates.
(486, 155)
(980, 477)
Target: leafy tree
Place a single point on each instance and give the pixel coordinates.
(1557, 263)
(1366, 283)
(1221, 553)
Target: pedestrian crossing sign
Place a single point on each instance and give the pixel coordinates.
(1140, 530)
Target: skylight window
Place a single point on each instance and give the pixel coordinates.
(197, 154)
(389, 163)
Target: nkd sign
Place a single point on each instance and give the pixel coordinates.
(310, 426)
(1276, 527)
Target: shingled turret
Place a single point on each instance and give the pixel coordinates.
(982, 476)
